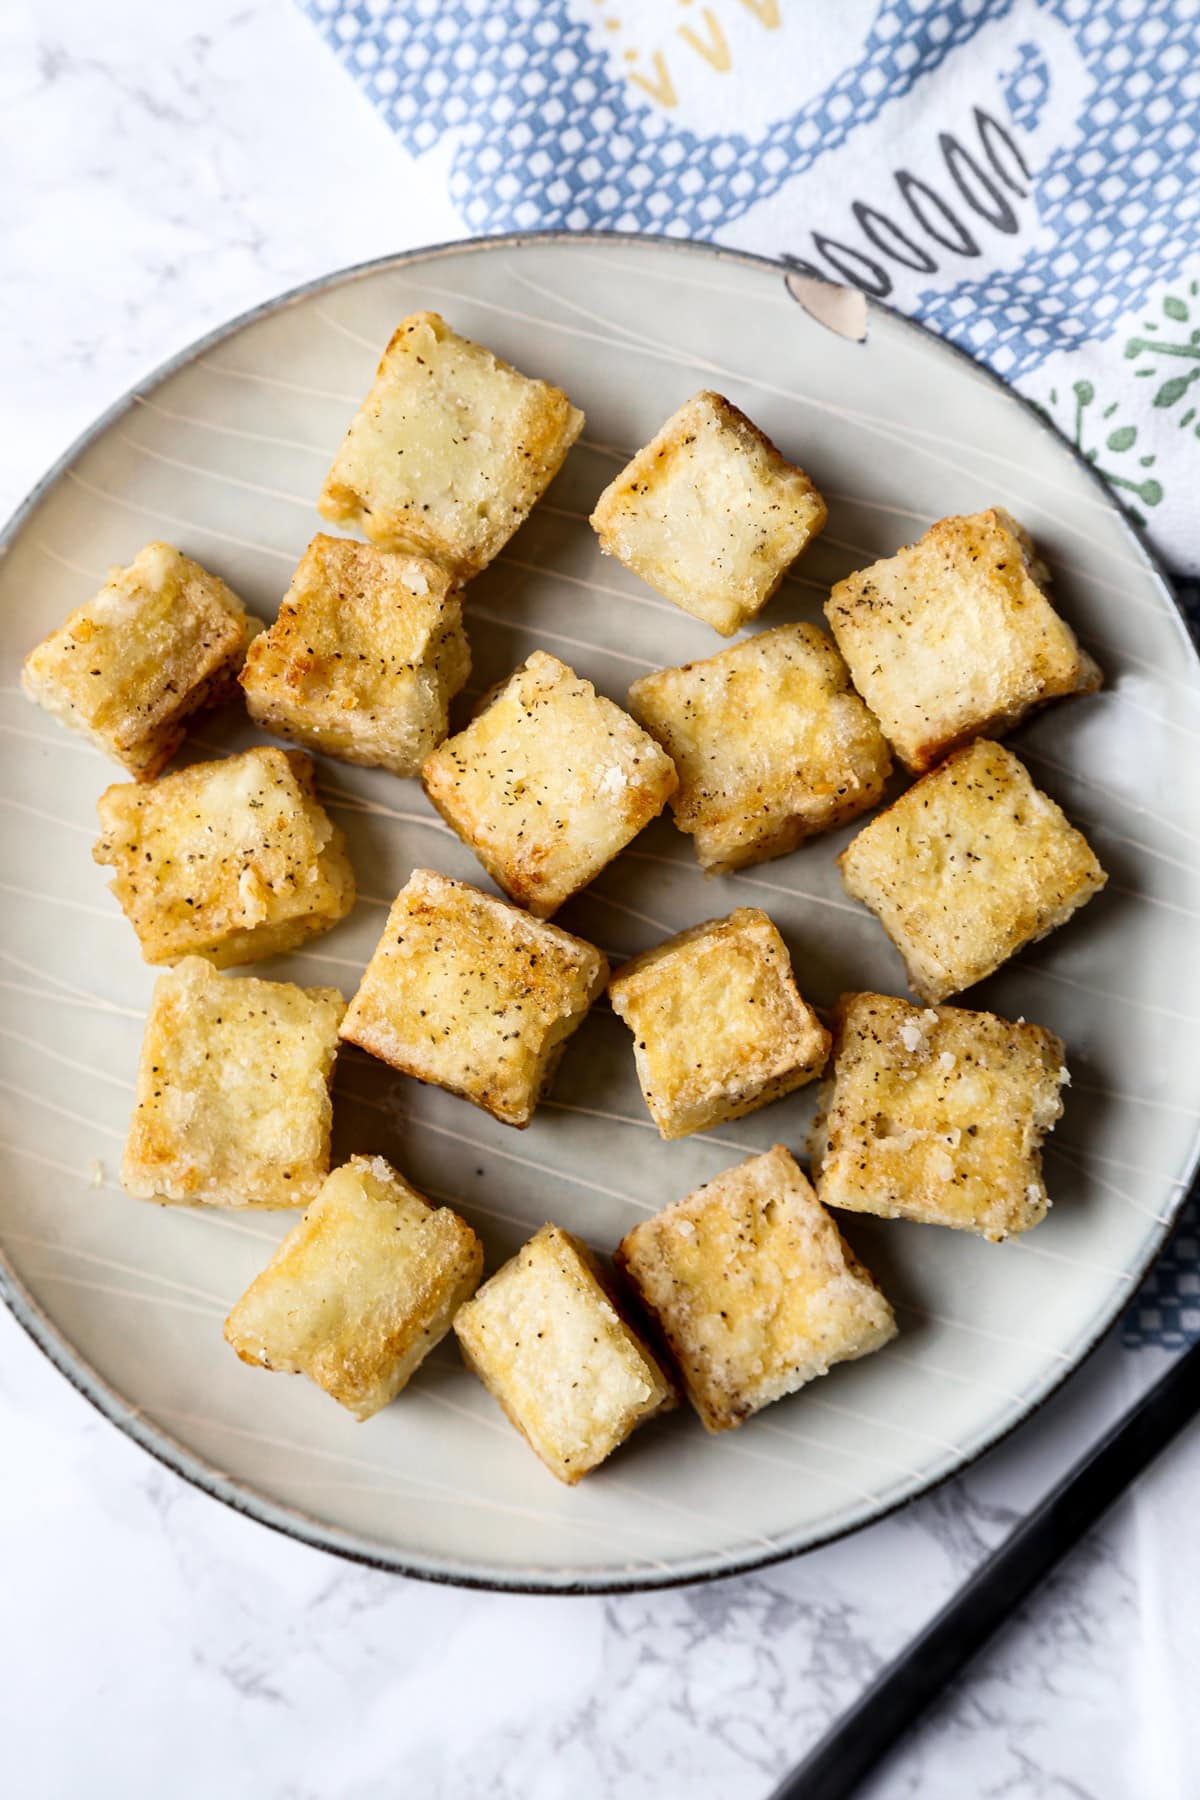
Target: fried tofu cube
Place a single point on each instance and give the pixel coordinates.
(718, 1023)
(365, 656)
(771, 744)
(471, 995)
(548, 783)
(969, 866)
(754, 1288)
(232, 860)
(232, 1104)
(449, 451)
(710, 514)
(937, 1115)
(955, 636)
(162, 640)
(546, 1339)
(361, 1290)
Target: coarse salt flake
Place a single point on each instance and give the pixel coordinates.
(613, 780)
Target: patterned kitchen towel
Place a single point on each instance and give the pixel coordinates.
(1024, 177)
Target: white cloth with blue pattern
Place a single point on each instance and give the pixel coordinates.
(1023, 177)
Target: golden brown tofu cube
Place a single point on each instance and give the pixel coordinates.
(468, 993)
(361, 1290)
(546, 1339)
(548, 783)
(718, 1023)
(937, 1115)
(128, 670)
(754, 1288)
(232, 860)
(710, 514)
(449, 451)
(955, 636)
(969, 866)
(365, 656)
(232, 1104)
(771, 745)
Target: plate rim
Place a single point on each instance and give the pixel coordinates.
(244, 1497)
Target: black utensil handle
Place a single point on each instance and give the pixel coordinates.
(895, 1700)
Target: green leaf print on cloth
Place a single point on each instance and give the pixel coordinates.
(1118, 440)
(1154, 348)
(1104, 434)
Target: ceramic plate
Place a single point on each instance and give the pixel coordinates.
(223, 453)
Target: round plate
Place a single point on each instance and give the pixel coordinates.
(223, 453)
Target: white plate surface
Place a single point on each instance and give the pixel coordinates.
(224, 455)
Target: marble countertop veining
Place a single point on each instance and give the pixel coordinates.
(162, 168)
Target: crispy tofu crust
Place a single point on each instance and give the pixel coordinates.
(548, 783)
(365, 656)
(449, 451)
(754, 1288)
(232, 1105)
(718, 1022)
(546, 1339)
(969, 866)
(162, 640)
(361, 1290)
(937, 1115)
(472, 995)
(710, 514)
(771, 745)
(232, 860)
(955, 636)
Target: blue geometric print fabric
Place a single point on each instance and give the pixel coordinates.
(1121, 204)
(549, 133)
(1166, 1313)
(1021, 175)
(1027, 86)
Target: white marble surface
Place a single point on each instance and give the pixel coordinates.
(162, 167)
